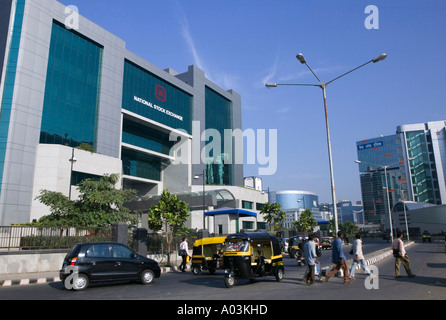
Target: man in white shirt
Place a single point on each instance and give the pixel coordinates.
(358, 257)
(401, 257)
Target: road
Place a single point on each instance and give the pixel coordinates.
(427, 260)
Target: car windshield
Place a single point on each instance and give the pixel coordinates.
(237, 245)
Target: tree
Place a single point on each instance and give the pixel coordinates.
(349, 228)
(274, 216)
(306, 221)
(99, 204)
(169, 214)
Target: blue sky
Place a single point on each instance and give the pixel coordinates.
(242, 44)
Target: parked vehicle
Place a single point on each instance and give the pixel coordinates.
(104, 262)
(207, 255)
(252, 255)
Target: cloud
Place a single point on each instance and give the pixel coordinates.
(221, 78)
(271, 72)
(185, 31)
(283, 110)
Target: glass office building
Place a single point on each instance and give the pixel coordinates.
(382, 166)
(410, 164)
(64, 88)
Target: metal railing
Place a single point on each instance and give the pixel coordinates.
(39, 238)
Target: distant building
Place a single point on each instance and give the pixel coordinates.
(294, 202)
(409, 165)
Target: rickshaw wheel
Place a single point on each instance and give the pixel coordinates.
(229, 282)
(196, 270)
(279, 275)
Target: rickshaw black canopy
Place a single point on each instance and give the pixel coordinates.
(256, 237)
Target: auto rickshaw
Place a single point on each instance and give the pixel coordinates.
(207, 255)
(326, 242)
(296, 249)
(252, 255)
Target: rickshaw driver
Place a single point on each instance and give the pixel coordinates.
(261, 259)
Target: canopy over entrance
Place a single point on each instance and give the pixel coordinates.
(226, 210)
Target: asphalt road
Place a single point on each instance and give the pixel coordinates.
(428, 263)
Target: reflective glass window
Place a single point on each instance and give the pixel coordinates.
(72, 89)
(154, 98)
(218, 117)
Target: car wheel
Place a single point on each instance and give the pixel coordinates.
(279, 275)
(80, 282)
(147, 277)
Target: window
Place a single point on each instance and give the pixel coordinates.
(151, 97)
(99, 251)
(122, 252)
(71, 100)
(249, 225)
(247, 204)
(218, 117)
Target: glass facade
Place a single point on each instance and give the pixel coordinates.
(375, 154)
(422, 179)
(151, 97)
(218, 117)
(72, 89)
(145, 137)
(141, 165)
(10, 76)
(290, 200)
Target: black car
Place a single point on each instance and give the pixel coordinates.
(102, 262)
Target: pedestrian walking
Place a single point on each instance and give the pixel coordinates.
(401, 256)
(338, 259)
(358, 257)
(310, 259)
(184, 253)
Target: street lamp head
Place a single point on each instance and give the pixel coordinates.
(379, 58)
(301, 58)
(271, 85)
(197, 177)
(357, 161)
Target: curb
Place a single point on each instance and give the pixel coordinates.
(370, 259)
(31, 281)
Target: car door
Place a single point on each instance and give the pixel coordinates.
(127, 264)
(99, 262)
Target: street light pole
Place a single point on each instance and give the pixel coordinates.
(323, 86)
(388, 204)
(197, 176)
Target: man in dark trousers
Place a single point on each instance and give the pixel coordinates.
(338, 259)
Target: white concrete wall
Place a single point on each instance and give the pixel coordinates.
(53, 171)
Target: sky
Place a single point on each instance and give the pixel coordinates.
(242, 44)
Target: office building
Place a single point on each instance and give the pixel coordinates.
(294, 202)
(63, 87)
(408, 165)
